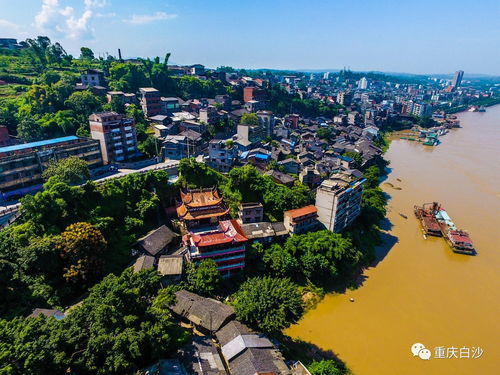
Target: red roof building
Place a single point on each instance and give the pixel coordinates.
(225, 244)
(201, 207)
(301, 220)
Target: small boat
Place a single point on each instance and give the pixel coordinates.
(351, 299)
(403, 215)
(398, 179)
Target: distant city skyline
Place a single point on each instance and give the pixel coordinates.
(428, 37)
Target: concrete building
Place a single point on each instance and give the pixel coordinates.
(254, 93)
(266, 120)
(363, 83)
(225, 244)
(344, 98)
(338, 200)
(251, 133)
(170, 105)
(116, 134)
(301, 220)
(209, 115)
(222, 155)
(421, 110)
(457, 79)
(151, 101)
(22, 165)
(251, 213)
(92, 77)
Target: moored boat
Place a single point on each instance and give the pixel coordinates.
(459, 240)
(425, 214)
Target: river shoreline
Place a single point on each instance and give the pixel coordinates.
(419, 290)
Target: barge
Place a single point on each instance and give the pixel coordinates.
(458, 240)
(425, 214)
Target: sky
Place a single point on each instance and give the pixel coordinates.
(418, 36)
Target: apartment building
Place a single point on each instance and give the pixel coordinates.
(116, 134)
(338, 199)
(22, 165)
(222, 155)
(151, 101)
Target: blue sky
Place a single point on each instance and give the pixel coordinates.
(419, 36)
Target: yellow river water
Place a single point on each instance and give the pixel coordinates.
(419, 290)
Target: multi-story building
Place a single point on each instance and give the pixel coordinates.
(116, 134)
(301, 220)
(344, 98)
(251, 212)
(92, 77)
(201, 207)
(170, 105)
(151, 101)
(222, 155)
(421, 110)
(338, 200)
(251, 133)
(209, 115)
(225, 244)
(266, 120)
(21, 165)
(183, 145)
(363, 83)
(254, 93)
(457, 79)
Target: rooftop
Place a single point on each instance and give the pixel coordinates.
(299, 212)
(47, 142)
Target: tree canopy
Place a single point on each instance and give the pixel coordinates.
(72, 170)
(268, 304)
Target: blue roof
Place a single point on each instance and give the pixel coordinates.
(46, 142)
(262, 156)
(346, 158)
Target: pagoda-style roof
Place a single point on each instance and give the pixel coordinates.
(198, 204)
(200, 197)
(228, 231)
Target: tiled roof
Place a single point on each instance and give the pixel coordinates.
(307, 210)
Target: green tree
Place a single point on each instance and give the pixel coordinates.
(81, 247)
(83, 103)
(269, 304)
(28, 130)
(204, 278)
(249, 119)
(72, 170)
(324, 367)
(86, 53)
(151, 146)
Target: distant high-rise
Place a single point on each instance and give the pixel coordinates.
(457, 80)
(363, 83)
(326, 75)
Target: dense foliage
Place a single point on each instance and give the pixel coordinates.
(204, 278)
(72, 170)
(269, 304)
(246, 184)
(116, 330)
(42, 251)
(324, 367)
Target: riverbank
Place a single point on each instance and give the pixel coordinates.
(419, 290)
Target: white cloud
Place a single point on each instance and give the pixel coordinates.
(11, 30)
(64, 21)
(148, 18)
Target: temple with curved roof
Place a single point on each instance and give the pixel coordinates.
(200, 207)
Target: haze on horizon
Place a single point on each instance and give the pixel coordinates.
(425, 37)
